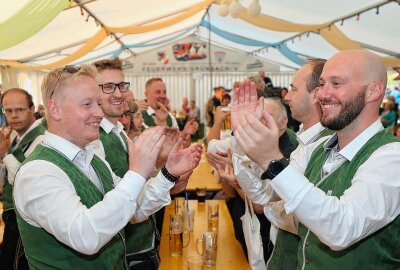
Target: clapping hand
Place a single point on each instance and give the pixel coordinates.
(161, 115)
(191, 127)
(171, 137)
(144, 151)
(259, 140)
(244, 100)
(180, 185)
(181, 161)
(219, 158)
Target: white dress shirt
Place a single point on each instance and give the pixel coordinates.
(275, 211)
(369, 204)
(152, 113)
(46, 198)
(11, 163)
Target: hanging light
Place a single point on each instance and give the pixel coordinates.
(235, 8)
(223, 9)
(254, 8)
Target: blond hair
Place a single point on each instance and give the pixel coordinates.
(59, 78)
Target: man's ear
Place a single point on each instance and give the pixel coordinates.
(375, 92)
(54, 110)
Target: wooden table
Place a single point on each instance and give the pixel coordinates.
(229, 253)
(202, 176)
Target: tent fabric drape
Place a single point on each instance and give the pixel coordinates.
(156, 26)
(28, 20)
(282, 48)
(87, 47)
(327, 30)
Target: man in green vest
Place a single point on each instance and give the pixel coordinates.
(157, 113)
(19, 109)
(343, 191)
(141, 238)
(71, 207)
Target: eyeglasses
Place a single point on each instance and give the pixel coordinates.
(71, 69)
(109, 88)
(127, 114)
(17, 111)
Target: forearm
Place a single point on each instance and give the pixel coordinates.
(154, 195)
(214, 132)
(342, 221)
(60, 211)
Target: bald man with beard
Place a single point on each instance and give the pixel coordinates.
(341, 190)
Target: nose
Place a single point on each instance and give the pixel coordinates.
(323, 92)
(97, 111)
(288, 96)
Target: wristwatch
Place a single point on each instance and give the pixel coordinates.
(274, 168)
(169, 176)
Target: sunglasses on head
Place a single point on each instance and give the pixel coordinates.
(69, 68)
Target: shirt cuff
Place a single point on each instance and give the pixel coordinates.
(132, 183)
(291, 186)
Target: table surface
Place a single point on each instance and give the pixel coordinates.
(202, 176)
(229, 252)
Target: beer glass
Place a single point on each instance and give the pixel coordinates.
(176, 243)
(212, 217)
(209, 248)
(201, 193)
(179, 205)
(188, 220)
(194, 262)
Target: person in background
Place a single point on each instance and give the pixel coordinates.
(18, 109)
(267, 80)
(388, 116)
(40, 113)
(212, 104)
(158, 113)
(226, 100)
(136, 121)
(194, 112)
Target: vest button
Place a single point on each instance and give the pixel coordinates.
(307, 243)
(307, 261)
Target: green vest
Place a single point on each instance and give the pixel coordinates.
(43, 250)
(18, 153)
(376, 251)
(284, 256)
(292, 136)
(139, 237)
(149, 120)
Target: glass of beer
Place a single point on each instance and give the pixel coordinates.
(179, 205)
(201, 193)
(212, 217)
(188, 220)
(194, 262)
(176, 243)
(209, 248)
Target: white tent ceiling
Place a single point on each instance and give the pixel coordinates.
(70, 30)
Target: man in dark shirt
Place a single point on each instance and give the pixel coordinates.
(213, 103)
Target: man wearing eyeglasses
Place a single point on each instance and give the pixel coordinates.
(71, 207)
(141, 238)
(19, 109)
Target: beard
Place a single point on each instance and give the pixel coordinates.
(351, 109)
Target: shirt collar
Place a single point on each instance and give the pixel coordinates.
(107, 126)
(306, 136)
(64, 146)
(35, 124)
(351, 149)
(150, 111)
